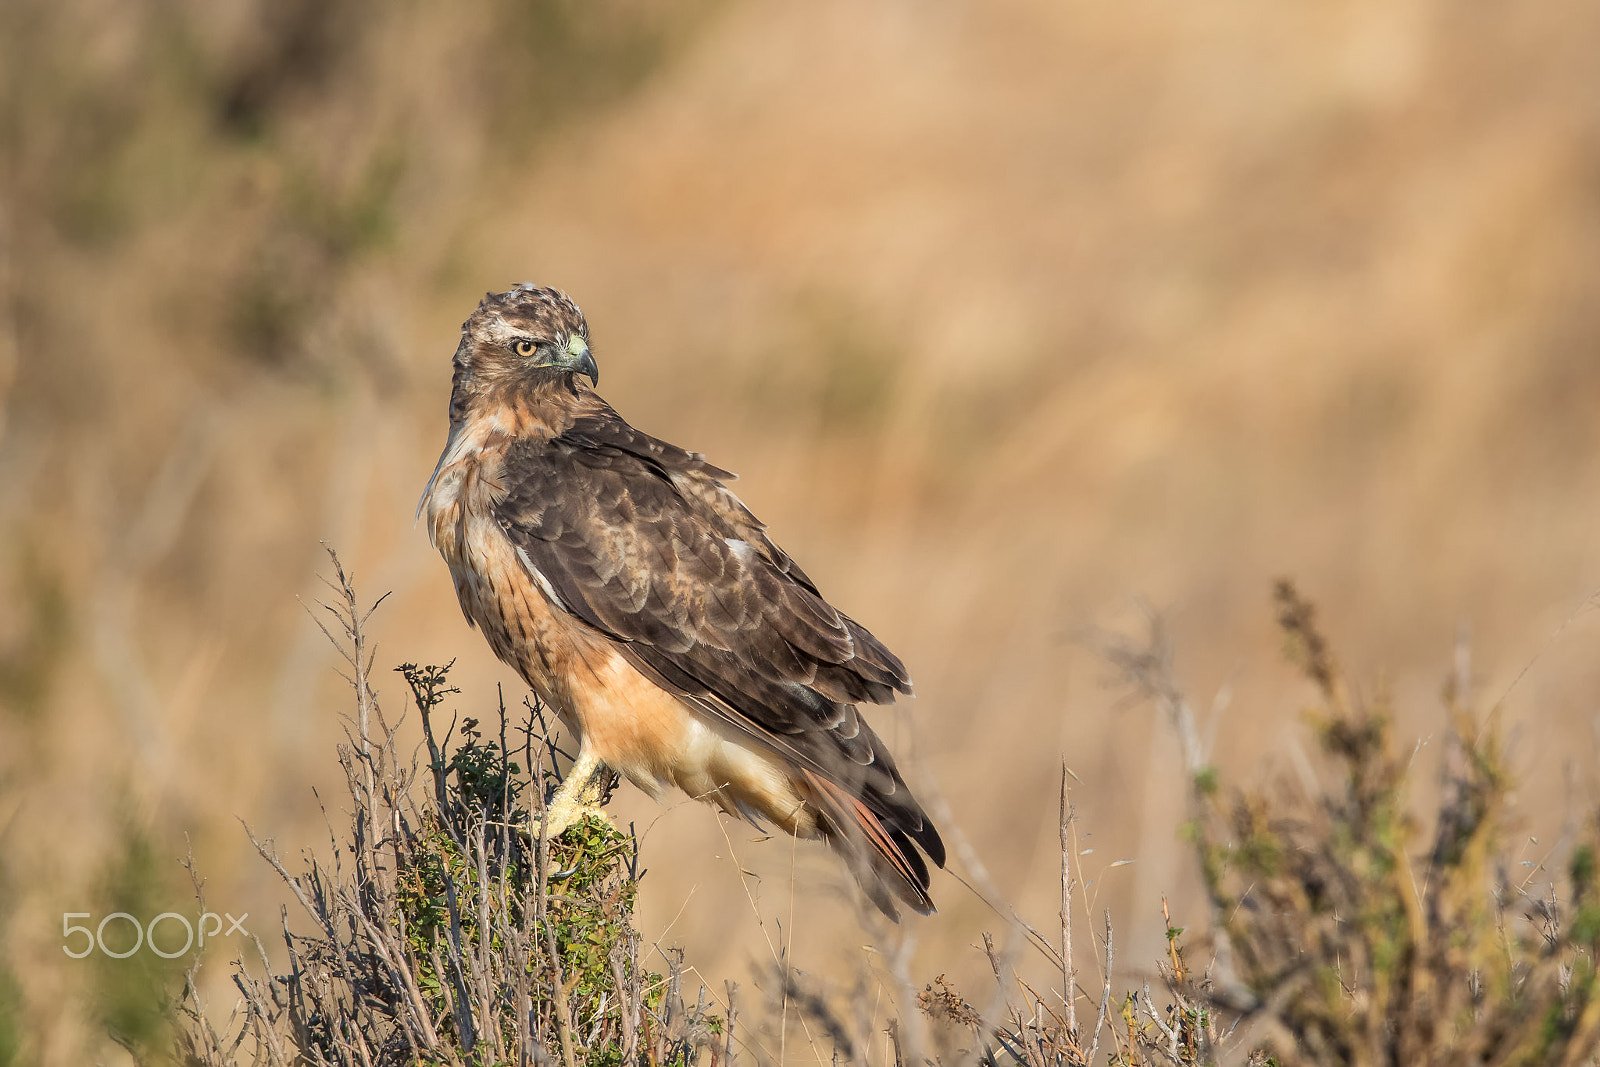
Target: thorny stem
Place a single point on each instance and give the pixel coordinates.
(1069, 973)
(1105, 992)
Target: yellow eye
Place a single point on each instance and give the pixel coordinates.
(524, 348)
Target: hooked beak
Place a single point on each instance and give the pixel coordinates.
(582, 362)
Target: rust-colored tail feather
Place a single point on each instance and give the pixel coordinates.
(882, 857)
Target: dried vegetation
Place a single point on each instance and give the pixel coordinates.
(1346, 928)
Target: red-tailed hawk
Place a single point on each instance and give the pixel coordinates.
(635, 594)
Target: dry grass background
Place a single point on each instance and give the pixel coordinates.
(1005, 313)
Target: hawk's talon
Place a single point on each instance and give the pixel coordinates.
(560, 824)
(578, 798)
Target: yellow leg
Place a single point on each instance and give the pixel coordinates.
(580, 795)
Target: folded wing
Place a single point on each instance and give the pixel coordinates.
(642, 541)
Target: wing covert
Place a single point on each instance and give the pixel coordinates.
(639, 549)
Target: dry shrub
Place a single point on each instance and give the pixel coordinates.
(1346, 929)
(439, 931)
(1359, 935)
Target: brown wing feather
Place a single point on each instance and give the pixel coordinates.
(642, 541)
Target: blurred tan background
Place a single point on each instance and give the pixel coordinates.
(1006, 313)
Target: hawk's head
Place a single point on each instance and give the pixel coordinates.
(525, 335)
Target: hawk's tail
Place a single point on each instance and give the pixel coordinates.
(878, 844)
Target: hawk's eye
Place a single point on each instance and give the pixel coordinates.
(524, 348)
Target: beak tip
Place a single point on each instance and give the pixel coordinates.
(580, 360)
